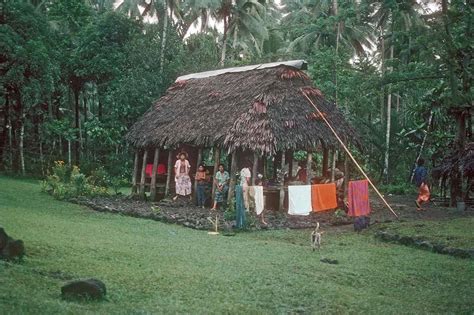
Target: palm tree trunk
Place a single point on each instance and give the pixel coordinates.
(338, 35)
(163, 37)
(430, 119)
(224, 42)
(389, 121)
(382, 68)
(21, 142)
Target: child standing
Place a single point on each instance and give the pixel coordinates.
(201, 178)
(420, 178)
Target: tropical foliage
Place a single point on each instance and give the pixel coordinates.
(76, 74)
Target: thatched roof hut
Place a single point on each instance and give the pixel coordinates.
(257, 109)
(260, 109)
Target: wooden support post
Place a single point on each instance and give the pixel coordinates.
(276, 162)
(135, 173)
(156, 157)
(290, 164)
(254, 168)
(282, 184)
(324, 168)
(233, 179)
(143, 174)
(217, 156)
(199, 160)
(309, 167)
(333, 168)
(265, 165)
(170, 172)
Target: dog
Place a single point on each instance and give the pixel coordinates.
(316, 238)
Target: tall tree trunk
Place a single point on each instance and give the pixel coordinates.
(430, 119)
(21, 142)
(389, 122)
(382, 68)
(76, 126)
(69, 153)
(338, 35)
(4, 131)
(224, 42)
(163, 37)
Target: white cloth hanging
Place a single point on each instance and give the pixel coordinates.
(299, 200)
(258, 198)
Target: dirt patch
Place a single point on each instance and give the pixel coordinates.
(183, 212)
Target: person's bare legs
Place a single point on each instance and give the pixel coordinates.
(214, 207)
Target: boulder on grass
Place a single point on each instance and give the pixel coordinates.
(84, 289)
(14, 249)
(3, 238)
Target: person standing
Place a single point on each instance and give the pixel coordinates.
(245, 176)
(420, 178)
(181, 173)
(201, 179)
(221, 182)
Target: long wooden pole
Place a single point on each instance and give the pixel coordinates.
(170, 170)
(143, 174)
(309, 167)
(349, 153)
(135, 173)
(233, 179)
(217, 161)
(254, 168)
(199, 160)
(156, 157)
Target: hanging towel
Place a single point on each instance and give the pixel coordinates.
(299, 200)
(358, 198)
(323, 197)
(256, 192)
(239, 207)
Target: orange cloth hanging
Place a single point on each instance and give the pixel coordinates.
(323, 197)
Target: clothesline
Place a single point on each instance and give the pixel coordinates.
(349, 153)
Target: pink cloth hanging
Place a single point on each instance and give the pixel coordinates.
(358, 198)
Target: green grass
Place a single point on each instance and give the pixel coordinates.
(151, 267)
(456, 232)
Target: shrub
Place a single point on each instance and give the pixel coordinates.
(66, 182)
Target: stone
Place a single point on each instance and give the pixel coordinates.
(3, 238)
(14, 249)
(329, 261)
(93, 289)
(407, 240)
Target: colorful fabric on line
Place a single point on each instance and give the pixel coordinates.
(299, 200)
(423, 193)
(358, 198)
(239, 207)
(323, 197)
(257, 193)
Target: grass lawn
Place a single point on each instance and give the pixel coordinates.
(458, 232)
(151, 267)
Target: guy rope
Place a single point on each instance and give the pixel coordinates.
(348, 152)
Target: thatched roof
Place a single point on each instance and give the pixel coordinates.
(463, 159)
(262, 109)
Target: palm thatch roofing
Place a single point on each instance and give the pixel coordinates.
(461, 159)
(259, 108)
